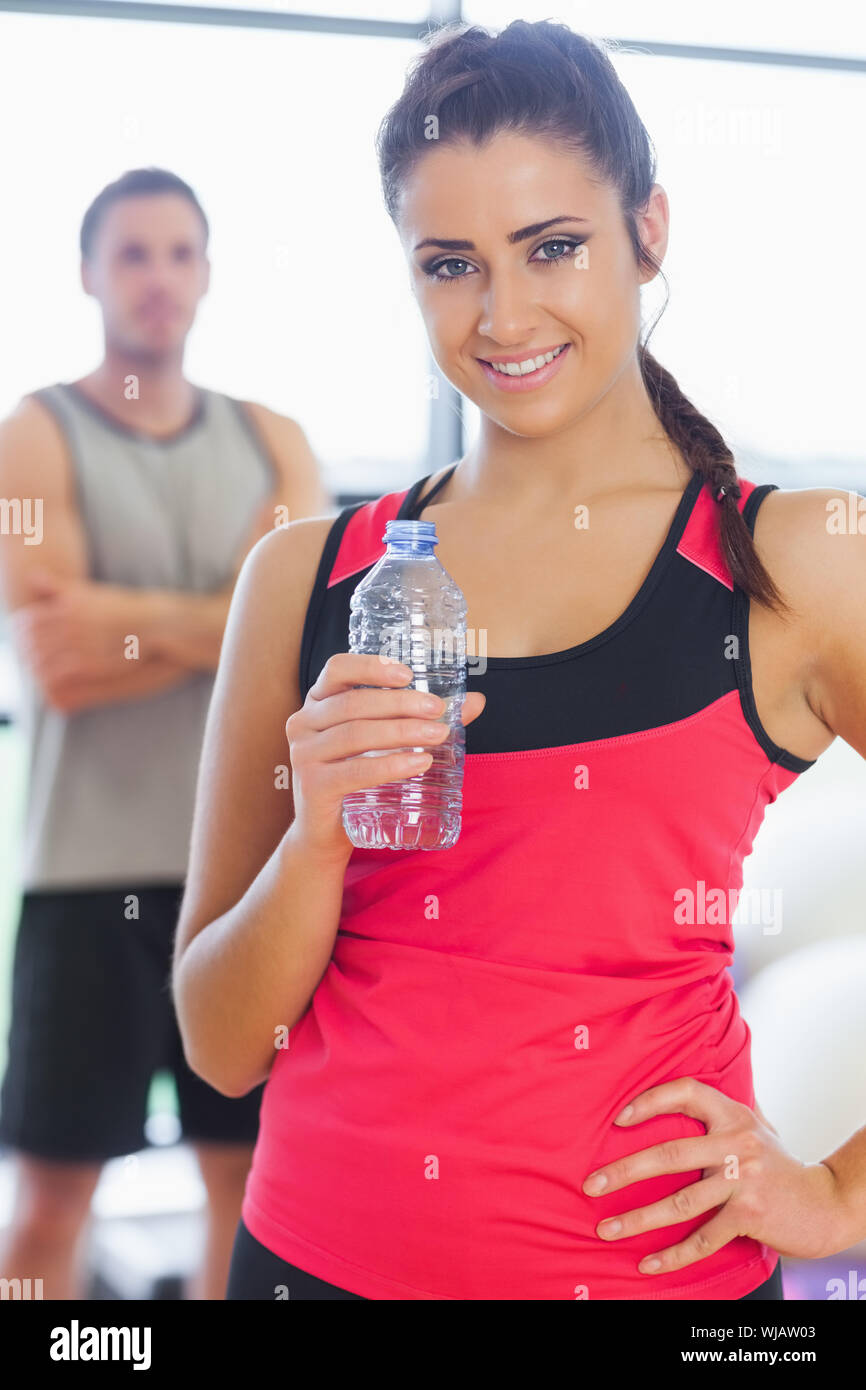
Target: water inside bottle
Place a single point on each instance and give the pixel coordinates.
(409, 609)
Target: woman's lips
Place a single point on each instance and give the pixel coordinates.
(531, 380)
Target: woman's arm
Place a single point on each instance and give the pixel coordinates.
(269, 851)
(261, 909)
(833, 556)
(244, 981)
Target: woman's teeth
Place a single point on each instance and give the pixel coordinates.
(531, 364)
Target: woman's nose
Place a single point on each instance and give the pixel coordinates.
(507, 313)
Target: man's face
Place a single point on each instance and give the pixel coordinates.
(148, 268)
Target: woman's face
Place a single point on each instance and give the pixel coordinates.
(516, 252)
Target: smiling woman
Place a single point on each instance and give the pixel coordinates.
(467, 1030)
(522, 374)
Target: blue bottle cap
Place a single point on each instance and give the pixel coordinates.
(421, 532)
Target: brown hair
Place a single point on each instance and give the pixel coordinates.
(544, 79)
(133, 184)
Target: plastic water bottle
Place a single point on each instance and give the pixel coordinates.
(409, 609)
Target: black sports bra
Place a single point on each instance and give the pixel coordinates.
(663, 659)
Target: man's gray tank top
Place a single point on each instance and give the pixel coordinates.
(111, 789)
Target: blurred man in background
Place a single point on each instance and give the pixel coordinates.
(149, 493)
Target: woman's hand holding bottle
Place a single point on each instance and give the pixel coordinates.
(359, 704)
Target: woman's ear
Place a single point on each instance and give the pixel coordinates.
(653, 224)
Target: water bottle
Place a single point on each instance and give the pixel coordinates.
(409, 609)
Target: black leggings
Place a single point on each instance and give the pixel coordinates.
(257, 1272)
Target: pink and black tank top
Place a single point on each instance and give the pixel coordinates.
(489, 1009)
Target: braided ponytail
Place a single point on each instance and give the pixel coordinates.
(706, 452)
(544, 79)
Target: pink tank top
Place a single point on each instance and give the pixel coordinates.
(488, 1010)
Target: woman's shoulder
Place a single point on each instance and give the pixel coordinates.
(813, 542)
(289, 555)
(797, 527)
(279, 571)
(293, 544)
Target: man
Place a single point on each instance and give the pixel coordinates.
(149, 491)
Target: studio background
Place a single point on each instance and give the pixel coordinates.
(757, 115)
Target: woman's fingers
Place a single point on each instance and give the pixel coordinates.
(365, 687)
(356, 736)
(345, 738)
(473, 705)
(345, 670)
(362, 705)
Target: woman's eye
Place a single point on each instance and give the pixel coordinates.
(563, 248)
(568, 246)
(434, 270)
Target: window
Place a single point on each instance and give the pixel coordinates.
(834, 27)
(309, 309)
(353, 9)
(763, 326)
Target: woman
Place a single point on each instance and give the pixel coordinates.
(449, 1038)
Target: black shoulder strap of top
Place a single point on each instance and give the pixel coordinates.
(740, 605)
(316, 602)
(753, 502)
(411, 513)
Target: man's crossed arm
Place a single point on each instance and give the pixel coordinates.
(88, 643)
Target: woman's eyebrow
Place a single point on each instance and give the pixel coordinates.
(521, 235)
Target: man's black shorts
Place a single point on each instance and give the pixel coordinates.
(92, 1020)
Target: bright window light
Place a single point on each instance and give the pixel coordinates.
(763, 326)
(309, 309)
(835, 27)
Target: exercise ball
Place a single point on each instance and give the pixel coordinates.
(807, 858)
(808, 1022)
